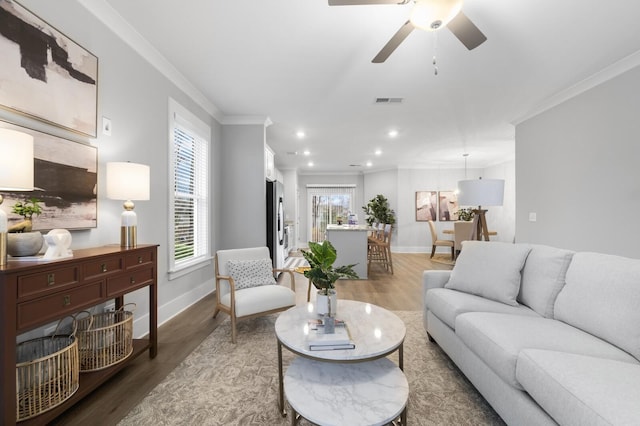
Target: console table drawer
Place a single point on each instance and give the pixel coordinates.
(138, 259)
(102, 267)
(39, 311)
(46, 282)
(127, 282)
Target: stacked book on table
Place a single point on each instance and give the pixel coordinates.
(320, 341)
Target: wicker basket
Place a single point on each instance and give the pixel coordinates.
(47, 374)
(105, 339)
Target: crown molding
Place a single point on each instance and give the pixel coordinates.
(246, 120)
(121, 28)
(617, 68)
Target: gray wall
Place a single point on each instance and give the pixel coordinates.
(243, 211)
(578, 168)
(134, 95)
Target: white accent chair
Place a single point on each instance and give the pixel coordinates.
(263, 297)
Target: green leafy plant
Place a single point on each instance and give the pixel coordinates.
(465, 214)
(322, 274)
(27, 209)
(378, 210)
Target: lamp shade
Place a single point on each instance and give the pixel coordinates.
(433, 14)
(480, 192)
(16, 161)
(128, 181)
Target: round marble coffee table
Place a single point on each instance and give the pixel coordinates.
(336, 394)
(375, 331)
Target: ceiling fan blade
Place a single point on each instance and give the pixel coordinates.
(363, 2)
(466, 31)
(392, 44)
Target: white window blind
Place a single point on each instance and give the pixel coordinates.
(326, 203)
(190, 236)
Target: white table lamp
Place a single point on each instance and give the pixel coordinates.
(481, 192)
(16, 174)
(128, 182)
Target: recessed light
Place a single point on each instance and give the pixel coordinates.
(378, 152)
(306, 152)
(393, 133)
(310, 164)
(300, 134)
(369, 164)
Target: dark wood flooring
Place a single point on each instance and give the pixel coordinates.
(180, 336)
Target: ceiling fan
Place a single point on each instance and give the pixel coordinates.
(429, 15)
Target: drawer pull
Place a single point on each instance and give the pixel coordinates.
(139, 259)
(51, 279)
(103, 267)
(66, 300)
(132, 280)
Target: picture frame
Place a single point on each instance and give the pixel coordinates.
(426, 206)
(65, 181)
(46, 75)
(448, 206)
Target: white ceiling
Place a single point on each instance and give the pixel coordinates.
(307, 66)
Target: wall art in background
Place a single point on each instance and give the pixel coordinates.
(65, 180)
(44, 74)
(448, 210)
(426, 205)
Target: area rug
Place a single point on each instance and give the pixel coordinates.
(220, 383)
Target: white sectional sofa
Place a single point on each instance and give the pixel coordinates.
(547, 336)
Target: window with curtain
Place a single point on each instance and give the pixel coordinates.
(189, 189)
(326, 203)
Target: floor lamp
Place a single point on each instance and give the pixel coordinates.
(480, 192)
(16, 174)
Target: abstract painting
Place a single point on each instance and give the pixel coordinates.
(448, 201)
(44, 74)
(426, 205)
(65, 181)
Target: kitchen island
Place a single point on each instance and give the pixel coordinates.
(350, 241)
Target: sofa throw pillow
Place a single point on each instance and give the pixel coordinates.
(251, 273)
(543, 277)
(489, 269)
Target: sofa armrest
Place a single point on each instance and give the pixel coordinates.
(434, 279)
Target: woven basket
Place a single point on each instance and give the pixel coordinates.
(47, 374)
(104, 339)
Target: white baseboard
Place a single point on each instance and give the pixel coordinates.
(172, 308)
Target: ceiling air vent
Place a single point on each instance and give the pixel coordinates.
(355, 165)
(389, 100)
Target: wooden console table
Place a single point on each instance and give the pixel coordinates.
(35, 293)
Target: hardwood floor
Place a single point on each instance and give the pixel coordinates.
(180, 336)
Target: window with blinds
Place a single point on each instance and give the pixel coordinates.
(326, 203)
(189, 189)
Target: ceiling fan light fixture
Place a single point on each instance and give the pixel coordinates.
(431, 15)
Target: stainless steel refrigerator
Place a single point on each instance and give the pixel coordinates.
(275, 223)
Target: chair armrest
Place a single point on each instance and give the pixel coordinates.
(292, 278)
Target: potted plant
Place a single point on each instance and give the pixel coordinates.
(323, 275)
(378, 210)
(22, 240)
(465, 214)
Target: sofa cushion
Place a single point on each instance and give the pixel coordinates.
(448, 304)
(543, 276)
(489, 269)
(498, 339)
(581, 390)
(601, 297)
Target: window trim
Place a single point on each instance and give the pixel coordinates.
(180, 116)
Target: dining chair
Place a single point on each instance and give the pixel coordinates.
(435, 241)
(463, 231)
(379, 250)
(246, 287)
